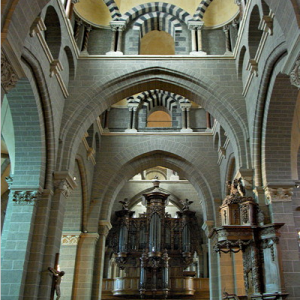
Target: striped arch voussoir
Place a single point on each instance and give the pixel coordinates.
(113, 9)
(146, 8)
(153, 98)
(157, 21)
(199, 14)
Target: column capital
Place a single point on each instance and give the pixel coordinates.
(117, 25)
(195, 25)
(208, 226)
(91, 236)
(185, 105)
(64, 182)
(279, 192)
(104, 227)
(266, 24)
(26, 197)
(295, 75)
(9, 77)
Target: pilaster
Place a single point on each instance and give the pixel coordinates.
(103, 229)
(84, 270)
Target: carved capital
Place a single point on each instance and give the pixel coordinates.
(195, 25)
(64, 183)
(279, 193)
(37, 26)
(208, 226)
(295, 75)
(117, 25)
(9, 77)
(104, 227)
(25, 197)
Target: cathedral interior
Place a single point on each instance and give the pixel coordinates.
(150, 150)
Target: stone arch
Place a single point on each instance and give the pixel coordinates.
(171, 9)
(275, 58)
(53, 32)
(71, 62)
(113, 9)
(208, 94)
(36, 73)
(199, 14)
(140, 156)
(26, 139)
(241, 65)
(157, 21)
(255, 34)
(277, 130)
(84, 185)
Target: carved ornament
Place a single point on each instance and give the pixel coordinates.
(8, 75)
(64, 187)
(195, 25)
(70, 240)
(278, 194)
(295, 75)
(25, 197)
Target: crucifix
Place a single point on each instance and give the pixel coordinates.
(56, 280)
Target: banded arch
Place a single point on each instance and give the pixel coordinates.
(157, 21)
(163, 7)
(199, 14)
(153, 98)
(209, 94)
(113, 9)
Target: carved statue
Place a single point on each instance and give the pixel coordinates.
(124, 204)
(186, 204)
(58, 276)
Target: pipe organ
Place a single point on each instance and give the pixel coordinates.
(154, 247)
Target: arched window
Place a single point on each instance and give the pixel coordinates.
(157, 43)
(159, 119)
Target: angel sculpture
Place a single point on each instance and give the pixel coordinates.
(186, 204)
(124, 204)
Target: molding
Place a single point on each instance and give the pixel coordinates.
(279, 193)
(157, 57)
(70, 238)
(157, 133)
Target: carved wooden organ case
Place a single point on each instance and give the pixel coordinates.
(155, 243)
(243, 229)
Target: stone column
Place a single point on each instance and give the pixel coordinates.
(117, 28)
(17, 239)
(84, 270)
(208, 121)
(104, 227)
(196, 35)
(227, 40)
(86, 39)
(106, 120)
(68, 251)
(77, 29)
(205, 260)
(63, 185)
(185, 107)
(133, 110)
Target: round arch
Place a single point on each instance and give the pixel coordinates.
(113, 177)
(209, 94)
